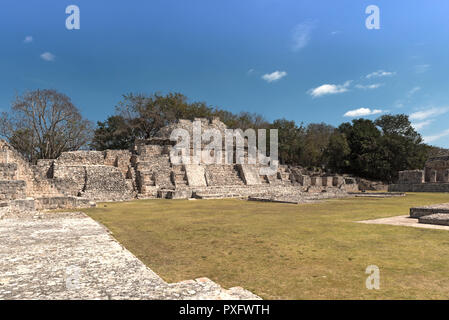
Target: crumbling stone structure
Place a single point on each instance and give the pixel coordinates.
(434, 177)
(77, 178)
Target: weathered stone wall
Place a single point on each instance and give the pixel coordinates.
(411, 177)
(12, 190)
(105, 183)
(8, 171)
(84, 158)
(422, 187)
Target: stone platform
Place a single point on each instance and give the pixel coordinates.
(441, 219)
(376, 194)
(71, 256)
(418, 212)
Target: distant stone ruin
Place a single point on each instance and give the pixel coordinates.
(434, 177)
(79, 178)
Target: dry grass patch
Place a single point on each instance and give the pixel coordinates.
(285, 251)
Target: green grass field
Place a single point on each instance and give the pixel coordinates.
(285, 251)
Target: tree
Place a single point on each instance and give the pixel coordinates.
(44, 123)
(402, 146)
(316, 140)
(363, 141)
(146, 115)
(337, 153)
(141, 116)
(379, 149)
(291, 138)
(112, 134)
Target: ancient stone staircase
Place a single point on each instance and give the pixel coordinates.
(179, 177)
(224, 175)
(153, 172)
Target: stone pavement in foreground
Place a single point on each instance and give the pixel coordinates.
(71, 256)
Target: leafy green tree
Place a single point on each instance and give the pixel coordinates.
(291, 140)
(363, 141)
(113, 133)
(402, 146)
(316, 140)
(337, 153)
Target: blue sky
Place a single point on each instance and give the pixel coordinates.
(308, 61)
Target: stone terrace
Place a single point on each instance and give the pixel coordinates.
(70, 256)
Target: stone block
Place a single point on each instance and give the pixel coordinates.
(316, 181)
(411, 177)
(195, 175)
(249, 174)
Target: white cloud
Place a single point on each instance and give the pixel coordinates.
(369, 86)
(28, 39)
(329, 89)
(413, 91)
(425, 114)
(380, 73)
(421, 68)
(335, 32)
(437, 136)
(301, 35)
(362, 112)
(422, 124)
(274, 76)
(47, 56)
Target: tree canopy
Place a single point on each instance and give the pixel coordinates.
(44, 123)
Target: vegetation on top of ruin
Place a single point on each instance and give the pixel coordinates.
(45, 123)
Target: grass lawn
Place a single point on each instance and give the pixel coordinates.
(285, 251)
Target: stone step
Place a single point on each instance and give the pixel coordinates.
(418, 212)
(441, 219)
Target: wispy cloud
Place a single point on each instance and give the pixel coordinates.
(28, 39)
(421, 125)
(379, 74)
(274, 76)
(369, 86)
(326, 89)
(413, 91)
(429, 113)
(301, 35)
(421, 68)
(362, 112)
(429, 139)
(47, 56)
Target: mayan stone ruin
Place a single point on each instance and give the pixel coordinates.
(434, 177)
(80, 178)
